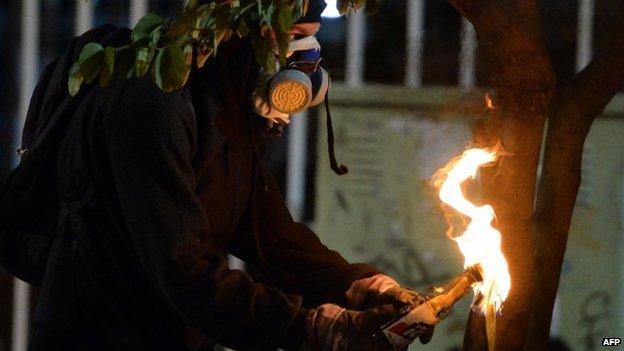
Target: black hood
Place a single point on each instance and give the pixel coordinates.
(313, 14)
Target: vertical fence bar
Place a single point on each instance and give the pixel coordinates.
(296, 164)
(138, 9)
(467, 56)
(28, 61)
(355, 48)
(83, 17)
(21, 320)
(584, 40)
(414, 47)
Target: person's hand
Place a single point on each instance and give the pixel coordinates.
(262, 107)
(402, 299)
(380, 290)
(363, 290)
(330, 327)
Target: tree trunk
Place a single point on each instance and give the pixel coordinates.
(578, 104)
(516, 60)
(523, 80)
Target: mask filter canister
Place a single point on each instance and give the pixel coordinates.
(302, 83)
(290, 91)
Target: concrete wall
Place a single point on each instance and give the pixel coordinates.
(385, 213)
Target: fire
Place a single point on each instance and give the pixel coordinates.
(480, 243)
(488, 102)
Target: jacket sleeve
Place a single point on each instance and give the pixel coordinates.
(150, 145)
(290, 255)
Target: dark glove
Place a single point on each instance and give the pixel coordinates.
(333, 328)
(380, 290)
(402, 300)
(363, 290)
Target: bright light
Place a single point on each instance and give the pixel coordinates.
(331, 11)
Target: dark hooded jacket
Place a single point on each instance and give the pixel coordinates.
(157, 188)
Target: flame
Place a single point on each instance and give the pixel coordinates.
(488, 102)
(480, 243)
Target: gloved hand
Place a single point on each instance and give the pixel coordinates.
(262, 107)
(330, 327)
(380, 290)
(363, 290)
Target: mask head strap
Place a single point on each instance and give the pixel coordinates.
(338, 169)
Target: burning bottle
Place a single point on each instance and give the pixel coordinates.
(440, 300)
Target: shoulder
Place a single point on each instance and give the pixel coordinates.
(139, 105)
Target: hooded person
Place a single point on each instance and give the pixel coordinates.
(157, 189)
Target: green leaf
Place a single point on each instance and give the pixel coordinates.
(155, 36)
(205, 15)
(298, 8)
(282, 45)
(180, 27)
(75, 79)
(170, 68)
(220, 36)
(343, 6)
(263, 49)
(203, 53)
(227, 35)
(108, 67)
(284, 22)
(285, 18)
(145, 26)
(194, 32)
(191, 5)
(188, 62)
(181, 40)
(166, 47)
(243, 29)
(188, 54)
(143, 59)
(89, 51)
(90, 65)
(266, 16)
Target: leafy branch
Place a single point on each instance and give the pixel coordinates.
(167, 49)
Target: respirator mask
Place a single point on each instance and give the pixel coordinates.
(301, 83)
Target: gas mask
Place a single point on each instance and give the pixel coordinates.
(299, 84)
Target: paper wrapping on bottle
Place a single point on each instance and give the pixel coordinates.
(403, 331)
